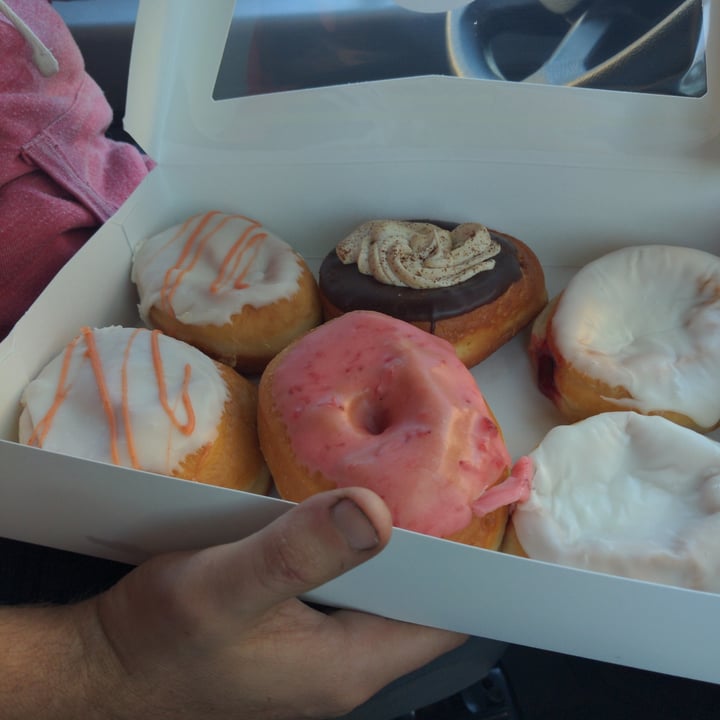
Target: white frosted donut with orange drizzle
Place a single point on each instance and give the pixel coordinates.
(369, 400)
(227, 285)
(137, 398)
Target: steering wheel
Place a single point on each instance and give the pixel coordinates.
(634, 45)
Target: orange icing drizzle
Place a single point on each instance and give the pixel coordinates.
(43, 427)
(170, 286)
(189, 426)
(96, 364)
(192, 251)
(237, 251)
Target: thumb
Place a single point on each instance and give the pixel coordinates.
(319, 539)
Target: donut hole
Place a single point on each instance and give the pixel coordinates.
(377, 421)
(369, 416)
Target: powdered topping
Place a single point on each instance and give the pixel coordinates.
(370, 400)
(419, 255)
(648, 319)
(646, 506)
(210, 267)
(131, 397)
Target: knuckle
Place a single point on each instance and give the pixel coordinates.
(185, 614)
(172, 594)
(285, 563)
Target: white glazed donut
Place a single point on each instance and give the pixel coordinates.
(227, 285)
(137, 398)
(625, 494)
(637, 329)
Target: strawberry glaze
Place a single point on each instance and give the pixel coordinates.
(373, 401)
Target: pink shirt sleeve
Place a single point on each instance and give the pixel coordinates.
(60, 176)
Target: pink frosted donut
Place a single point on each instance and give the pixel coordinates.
(369, 400)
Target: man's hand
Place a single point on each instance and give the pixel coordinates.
(220, 633)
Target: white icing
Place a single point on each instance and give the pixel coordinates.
(209, 268)
(648, 319)
(419, 255)
(81, 426)
(626, 494)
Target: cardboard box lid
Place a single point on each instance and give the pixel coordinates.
(178, 48)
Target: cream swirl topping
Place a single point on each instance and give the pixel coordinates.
(417, 254)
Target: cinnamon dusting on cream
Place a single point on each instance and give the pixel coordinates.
(418, 254)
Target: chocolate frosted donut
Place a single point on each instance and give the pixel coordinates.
(345, 287)
(477, 315)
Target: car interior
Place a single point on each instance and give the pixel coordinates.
(639, 46)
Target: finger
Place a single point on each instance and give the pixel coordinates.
(311, 544)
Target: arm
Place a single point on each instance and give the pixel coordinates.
(220, 633)
(45, 661)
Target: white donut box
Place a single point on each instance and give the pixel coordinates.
(573, 172)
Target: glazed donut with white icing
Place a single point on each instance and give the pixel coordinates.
(625, 494)
(474, 287)
(137, 398)
(369, 400)
(637, 329)
(227, 285)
